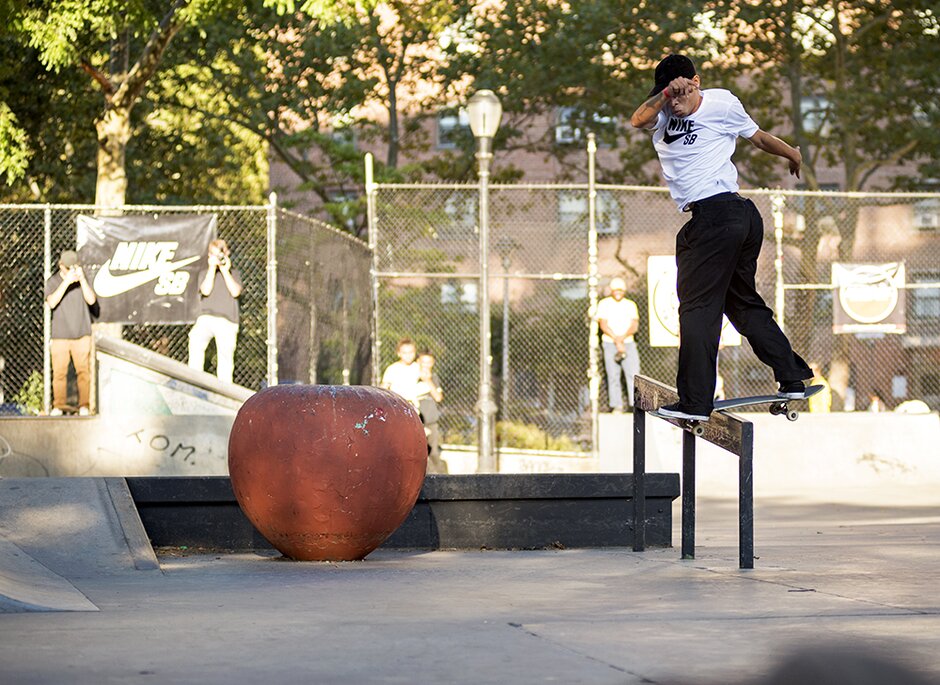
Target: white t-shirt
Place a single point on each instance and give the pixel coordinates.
(403, 379)
(619, 316)
(695, 151)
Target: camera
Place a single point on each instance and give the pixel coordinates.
(619, 357)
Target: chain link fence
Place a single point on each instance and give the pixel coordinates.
(427, 268)
(310, 312)
(554, 249)
(304, 314)
(324, 329)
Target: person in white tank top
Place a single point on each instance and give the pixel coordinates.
(694, 135)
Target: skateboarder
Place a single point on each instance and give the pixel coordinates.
(694, 133)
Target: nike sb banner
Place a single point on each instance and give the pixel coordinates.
(868, 298)
(144, 268)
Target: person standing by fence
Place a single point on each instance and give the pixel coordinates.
(618, 318)
(73, 303)
(694, 135)
(430, 395)
(220, 286)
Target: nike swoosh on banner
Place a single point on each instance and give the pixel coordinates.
(669, 140)
(108, 285)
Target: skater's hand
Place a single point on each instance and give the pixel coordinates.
(796, 162)
(680, 87)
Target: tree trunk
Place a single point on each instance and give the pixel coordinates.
(114, 132)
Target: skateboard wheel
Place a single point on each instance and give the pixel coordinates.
(698, 430)
(778, 408)
(793, 415)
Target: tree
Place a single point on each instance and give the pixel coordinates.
(120, 46)
(313, 87)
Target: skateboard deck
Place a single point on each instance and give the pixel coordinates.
(779, 406)
(763, 399)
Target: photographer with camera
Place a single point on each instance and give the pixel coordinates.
(73, 303)
(618, 319)
(219, 287)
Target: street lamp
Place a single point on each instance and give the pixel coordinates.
(485, 112)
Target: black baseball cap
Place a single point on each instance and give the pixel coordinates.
(672, 67)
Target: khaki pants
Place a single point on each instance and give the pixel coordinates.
(79, 351)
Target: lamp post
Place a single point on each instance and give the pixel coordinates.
(485, 111)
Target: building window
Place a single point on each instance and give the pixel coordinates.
(451, 126)
(573, 212)
(343, 207)
(824, 207)
(927, 214)
(814, 109)
(462, 295)
(569, 126)
(344, 136)
(573, 290)
(459, 222)
(925, 302)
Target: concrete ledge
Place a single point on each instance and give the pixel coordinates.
(498, 511)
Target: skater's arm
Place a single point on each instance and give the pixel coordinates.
(773, 145)
(645, 115)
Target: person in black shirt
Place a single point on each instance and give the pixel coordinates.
(219, 287)
(73, 303)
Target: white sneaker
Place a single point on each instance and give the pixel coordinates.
(83, 411)
(56, 412)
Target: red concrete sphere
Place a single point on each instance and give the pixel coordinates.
(327, 472)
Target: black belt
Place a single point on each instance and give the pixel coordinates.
(720, 197)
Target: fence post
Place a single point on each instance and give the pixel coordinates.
(777, 203)
(371, 191)
(594, 380)
(46, 312)
(272, 289)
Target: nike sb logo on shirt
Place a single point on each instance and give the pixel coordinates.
(679, 128)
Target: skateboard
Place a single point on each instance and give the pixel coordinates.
(779, 406)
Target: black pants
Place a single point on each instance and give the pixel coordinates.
(716, 255)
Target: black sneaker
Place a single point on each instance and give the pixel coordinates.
(675, 411)
(792, 390)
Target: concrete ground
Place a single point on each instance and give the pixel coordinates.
(861, 573)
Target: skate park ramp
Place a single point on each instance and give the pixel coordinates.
(156, 416)
(55, 532)
(133, 380)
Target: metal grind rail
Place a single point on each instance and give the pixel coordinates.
(723, 429)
